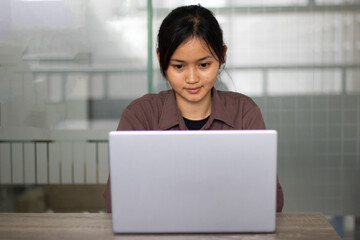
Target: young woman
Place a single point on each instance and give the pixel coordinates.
(191, 52)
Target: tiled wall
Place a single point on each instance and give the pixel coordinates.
(319, 150)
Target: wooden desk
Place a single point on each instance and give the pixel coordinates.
(98, 226)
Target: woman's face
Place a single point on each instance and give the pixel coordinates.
(192, 72)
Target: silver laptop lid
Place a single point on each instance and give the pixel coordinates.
(193, 181)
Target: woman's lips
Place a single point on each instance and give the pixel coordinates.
(193, 90)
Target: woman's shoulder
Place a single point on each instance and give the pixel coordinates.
(150, 99)
(229, 97)
(144, 113)
(241, 109)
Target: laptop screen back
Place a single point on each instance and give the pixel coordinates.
(193, 181)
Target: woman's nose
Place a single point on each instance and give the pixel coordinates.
(192, 76)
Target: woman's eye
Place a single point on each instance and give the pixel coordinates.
(178, 66)
(204, 65)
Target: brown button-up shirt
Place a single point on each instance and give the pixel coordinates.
(229, 110)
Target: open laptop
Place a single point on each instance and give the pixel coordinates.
(193, 181)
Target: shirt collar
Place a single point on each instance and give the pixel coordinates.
(171, 115)
(218, 109)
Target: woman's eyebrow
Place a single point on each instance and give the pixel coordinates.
(200, 59)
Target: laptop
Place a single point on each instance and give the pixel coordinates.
(193, 181)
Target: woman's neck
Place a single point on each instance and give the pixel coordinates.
(195, 111)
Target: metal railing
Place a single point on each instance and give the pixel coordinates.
(53, 162)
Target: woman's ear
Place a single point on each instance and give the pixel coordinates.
(222, 64)
(158, 57)
(225, 50)
(158, 54)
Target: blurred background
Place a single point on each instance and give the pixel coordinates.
(69, 67)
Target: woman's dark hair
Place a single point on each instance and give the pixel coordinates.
(187, 22)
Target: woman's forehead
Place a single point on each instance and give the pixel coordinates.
(192, 48)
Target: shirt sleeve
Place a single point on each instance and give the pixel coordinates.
(107, 195)
(279, 196)
(254, 120)
(128, 121)
(132, 120)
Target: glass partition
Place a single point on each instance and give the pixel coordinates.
(67, 70)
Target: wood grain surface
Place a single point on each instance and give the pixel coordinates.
(98, 226)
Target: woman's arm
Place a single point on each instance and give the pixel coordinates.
(254, 120)
(128, 121)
